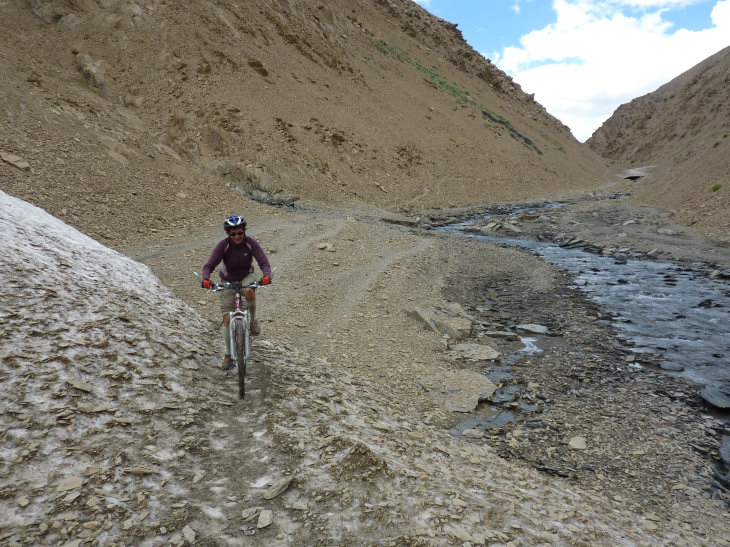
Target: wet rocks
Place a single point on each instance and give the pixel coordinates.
(724, 452)
(715, 397)
(671, 366)
(532, 328)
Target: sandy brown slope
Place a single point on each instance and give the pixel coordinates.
(683, 129)
(155, 107)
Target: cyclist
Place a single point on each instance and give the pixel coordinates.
(237, 252)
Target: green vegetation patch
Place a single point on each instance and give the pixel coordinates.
(453, 88)
(716, 187)
(496, 118)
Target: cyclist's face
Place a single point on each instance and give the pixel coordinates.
(237, 234)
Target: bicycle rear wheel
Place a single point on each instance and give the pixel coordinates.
(240, 347)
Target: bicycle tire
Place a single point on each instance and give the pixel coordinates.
(240, 347)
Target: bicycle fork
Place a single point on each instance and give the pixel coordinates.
(239, 315)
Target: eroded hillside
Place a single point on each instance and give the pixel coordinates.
(681, 128)
(156, 107)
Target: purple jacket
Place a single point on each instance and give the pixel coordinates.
(237, 259)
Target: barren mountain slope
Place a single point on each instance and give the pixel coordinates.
(155, 106)
(682, 128)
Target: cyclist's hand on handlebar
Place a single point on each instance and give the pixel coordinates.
(205, 284)
(265, 280)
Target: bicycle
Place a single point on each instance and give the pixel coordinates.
(239, 326)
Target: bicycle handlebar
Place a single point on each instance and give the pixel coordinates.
(235, 284)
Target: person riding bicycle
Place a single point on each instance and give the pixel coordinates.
(237, 252)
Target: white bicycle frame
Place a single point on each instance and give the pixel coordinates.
(240, 313)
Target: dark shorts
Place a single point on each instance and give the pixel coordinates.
(228, 297)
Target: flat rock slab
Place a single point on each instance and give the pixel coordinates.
(503, 334)
(577, 443)
(15, 161)
(532, 328)
(461, 391)
(476, 352)
(671, 366)
(715, 397)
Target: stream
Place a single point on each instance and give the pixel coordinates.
(676, 313)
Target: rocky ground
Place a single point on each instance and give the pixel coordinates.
(347, 291)
(361, 424)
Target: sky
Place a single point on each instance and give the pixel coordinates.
(584, 58)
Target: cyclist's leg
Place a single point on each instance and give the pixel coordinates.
(250, 296)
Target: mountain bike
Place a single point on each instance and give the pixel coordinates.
(239, 327)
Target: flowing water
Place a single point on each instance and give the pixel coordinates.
(677, 313)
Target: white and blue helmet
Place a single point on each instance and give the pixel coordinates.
(233, 221)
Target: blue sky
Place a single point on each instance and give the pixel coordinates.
(584, 58)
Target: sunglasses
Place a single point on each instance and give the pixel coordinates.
(235, 234)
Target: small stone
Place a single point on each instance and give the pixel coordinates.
(189, 534)
(458, 502)
(23, 502)
(81, 386)
(265, 518)
(278, 487)
(577, 443)
(70, 483)
(15, 161)
(248, 514)
(472, 434)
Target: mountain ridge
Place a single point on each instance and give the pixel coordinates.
(681, 129)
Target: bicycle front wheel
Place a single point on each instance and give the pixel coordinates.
(240, 348)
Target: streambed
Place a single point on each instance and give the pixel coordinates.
(676, 313)
(671, 314)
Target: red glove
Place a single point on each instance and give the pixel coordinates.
(206, 283)
(265, 280)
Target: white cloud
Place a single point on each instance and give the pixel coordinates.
(597, 56)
